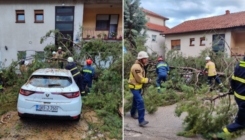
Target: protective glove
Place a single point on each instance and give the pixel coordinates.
(231, 92)
(149, 80)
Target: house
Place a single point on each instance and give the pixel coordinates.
(156, 25)
(103, 20)
(24, 22)
(221, 33)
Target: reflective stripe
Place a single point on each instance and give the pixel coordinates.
(160, 65)
(239, 96)
(226, 131)
(75, 74)
(238, 79)
(88, 71)
(242, 64)
(73, 68)
(158, 87)
(221, 85)
(135, 86)
(83, 92)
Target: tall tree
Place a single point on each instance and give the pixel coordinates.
(134, 21)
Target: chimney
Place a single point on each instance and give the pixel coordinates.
(227, 12)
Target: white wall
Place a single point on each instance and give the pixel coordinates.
(154, 46)
(195, 50)
(26, 36)
(155, 20)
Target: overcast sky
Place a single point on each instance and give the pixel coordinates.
(179, 11)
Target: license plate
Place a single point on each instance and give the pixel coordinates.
(47, 108)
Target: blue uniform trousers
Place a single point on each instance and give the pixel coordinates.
(87, 83)
(240, 118)
(138, 103)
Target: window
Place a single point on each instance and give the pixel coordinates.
(218, 42)
(38, 15)
(102, 22)
(202, 41)
(50, 81)
(175, 44)
(64, 22)
(107, 23)
(192, 41)
(154, 38)
(20, 16)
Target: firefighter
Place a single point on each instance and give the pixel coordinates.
(162, 71)
(212, 74)
(136, 80)
(75, 73)
(88, 74)
(60, 54)
(238, 89)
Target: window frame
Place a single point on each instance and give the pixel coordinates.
(201, 39)
(155, 38)
(38, 12)
(192, 39)
(19, 12)
(108, 23)
(172, 47)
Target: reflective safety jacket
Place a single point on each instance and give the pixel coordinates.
(210, 66)
(238, 80)
(137, 76)
(73, 68)
(60, 55)
(88, 73)
(162, 68)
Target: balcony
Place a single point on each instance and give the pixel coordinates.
(91, 33)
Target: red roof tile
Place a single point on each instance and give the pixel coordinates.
(217, 22)
(153, 14)
(156, 27)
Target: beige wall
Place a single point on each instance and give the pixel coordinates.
(89, 19)
(155, 20)
(155, 46)
(195, 50)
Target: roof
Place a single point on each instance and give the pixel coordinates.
(156, 27)
(153, 14)
(228, 20)
(52, 71)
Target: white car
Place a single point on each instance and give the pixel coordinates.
(50, 93)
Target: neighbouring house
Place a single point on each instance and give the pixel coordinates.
(24, 22)
(217, 32)
(156, 25)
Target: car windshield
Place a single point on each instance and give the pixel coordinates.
(50, 81)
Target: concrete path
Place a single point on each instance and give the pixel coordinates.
(163, 125)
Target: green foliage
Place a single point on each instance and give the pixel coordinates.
(107, 105)
(106, 93)
(134, 21)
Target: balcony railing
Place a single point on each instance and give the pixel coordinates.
(89, 33)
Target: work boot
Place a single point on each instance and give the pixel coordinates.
(143, 123)
(134, 116)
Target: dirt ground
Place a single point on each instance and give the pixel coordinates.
(14, 128)
(163, 125)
